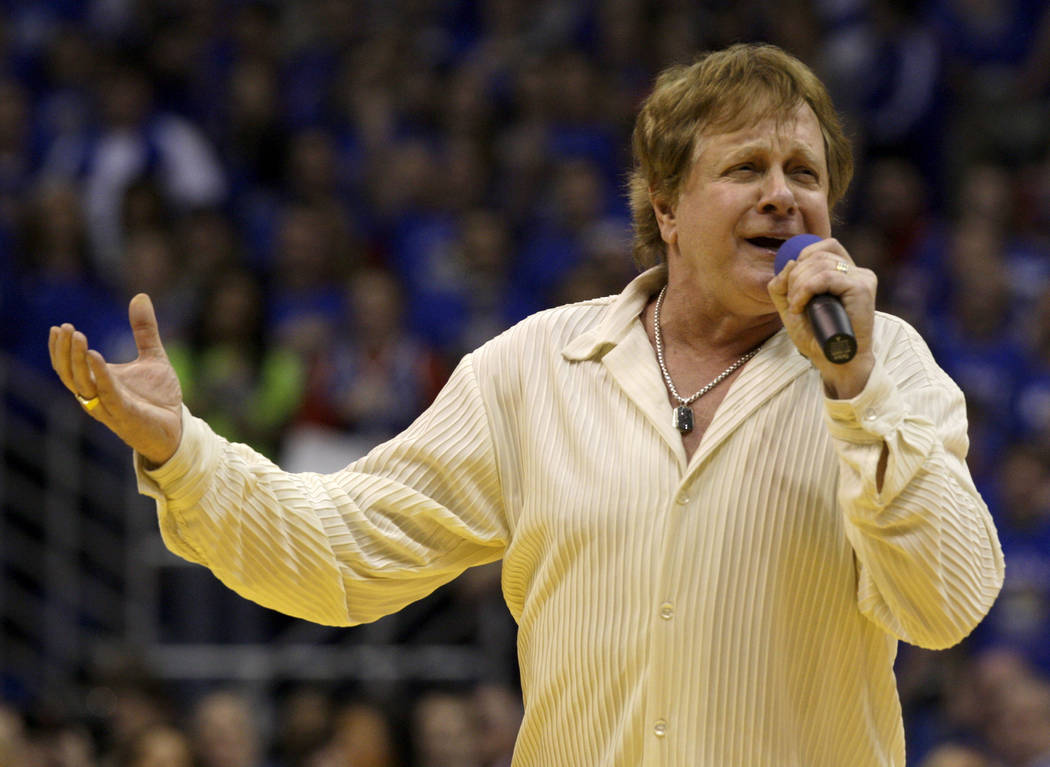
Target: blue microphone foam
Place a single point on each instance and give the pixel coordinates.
(789, 250)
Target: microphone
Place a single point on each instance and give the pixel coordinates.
(827, 315)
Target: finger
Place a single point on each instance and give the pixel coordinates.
(52, 347)
(83, 381)
(815, 284)
(143, 321)
(830, 247)
(778, 286)
(821, 273)
(110, 402)
(825, 262)
(60, 356)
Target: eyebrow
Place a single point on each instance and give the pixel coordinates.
(762, 145)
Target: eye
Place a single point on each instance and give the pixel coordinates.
(806, 173)
(743, 168)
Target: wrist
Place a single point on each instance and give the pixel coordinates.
(847, 381)
(156, 455)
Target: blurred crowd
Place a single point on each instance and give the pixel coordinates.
(131, 720)
(330, 201)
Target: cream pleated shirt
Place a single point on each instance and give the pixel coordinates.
(741, 609)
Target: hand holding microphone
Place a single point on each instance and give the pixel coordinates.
(831, 324)
(827, 305)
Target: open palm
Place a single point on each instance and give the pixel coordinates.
(140, 401)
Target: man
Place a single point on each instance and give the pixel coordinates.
(725, 587)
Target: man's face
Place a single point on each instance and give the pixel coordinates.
(748, 191)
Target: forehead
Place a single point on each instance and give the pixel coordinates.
(795, 132)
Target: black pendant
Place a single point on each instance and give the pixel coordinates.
(683, 418)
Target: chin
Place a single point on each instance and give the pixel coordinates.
(758, 279)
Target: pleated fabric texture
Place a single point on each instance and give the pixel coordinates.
(742, 608)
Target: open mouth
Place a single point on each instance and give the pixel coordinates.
(768, 243)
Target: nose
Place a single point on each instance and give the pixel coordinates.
(776, 196)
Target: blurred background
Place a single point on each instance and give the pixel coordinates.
(330, 201)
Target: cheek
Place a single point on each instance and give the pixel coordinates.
(696, 231)
(718, 212)
(817, 218)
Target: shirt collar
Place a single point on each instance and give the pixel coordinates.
(625, 309)
(622, 313)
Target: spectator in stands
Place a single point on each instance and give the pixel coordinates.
(473, 296)
(580, 128)
(254, 137)
(973, 336)
(208, 243)
(56, 270)
(158, 746)
(374, 376)
(893, 199)
(134, 141)
(64, 102)
(303, 726)
(362, 736)
(556, 239)
(14, 747)
(1019, 731)
(1032, 406)
(973, 687)
(1020, 499)
(419, 231)
(152, 258)
(314, 173)
(229, 369)
(444, 732)
(603, 265)
(225, 731)
(499, 711)
(954, 755)
(128, 700)
(313, 254)
(995, 57)
(17, 156)
(65, 743)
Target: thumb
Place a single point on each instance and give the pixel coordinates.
(144, 326)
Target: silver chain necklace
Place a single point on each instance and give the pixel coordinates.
(683, 414)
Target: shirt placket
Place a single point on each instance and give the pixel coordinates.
(663, 723)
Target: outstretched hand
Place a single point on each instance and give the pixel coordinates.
(140, 401)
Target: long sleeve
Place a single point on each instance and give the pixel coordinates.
(347, 547)
(928, 557)
(739, 607)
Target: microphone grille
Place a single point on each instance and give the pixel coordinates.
(789, 250)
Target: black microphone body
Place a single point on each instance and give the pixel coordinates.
(827, 315)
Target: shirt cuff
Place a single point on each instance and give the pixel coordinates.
(179, 483)
(182, 474)
(867, 418)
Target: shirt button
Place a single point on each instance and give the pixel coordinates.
(682, 499)
(660, 728)
(870, 415)
(667, 611)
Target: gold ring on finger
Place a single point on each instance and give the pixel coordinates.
(88, 404)
(842, 266)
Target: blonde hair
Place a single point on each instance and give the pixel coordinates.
(723, 89)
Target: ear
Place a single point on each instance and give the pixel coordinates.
(665, 217)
